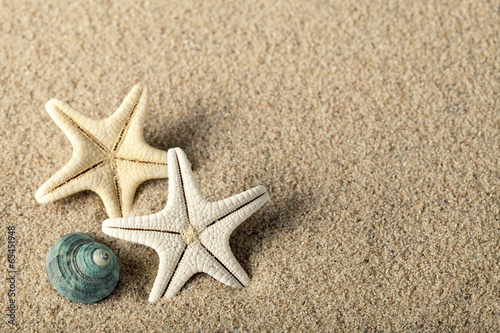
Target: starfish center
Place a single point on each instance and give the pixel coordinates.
(111, 160)
(191, 235)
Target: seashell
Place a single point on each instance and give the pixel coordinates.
(82, 269)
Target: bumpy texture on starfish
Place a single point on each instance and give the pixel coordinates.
(190, 234)
(110, 156)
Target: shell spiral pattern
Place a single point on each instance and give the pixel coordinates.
(82, 269)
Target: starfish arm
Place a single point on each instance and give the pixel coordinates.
(175, 273)
(147, 230)
(183, 190)
(196, 259)
(222, 265)
(97, 178)
(169, 264)
(231, 212)
(127, 123)
(107, 187)
(131, 174)
(144, 154)
(81, 130)
(66, 181)
(77, 175)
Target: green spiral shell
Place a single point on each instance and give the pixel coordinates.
(81, 269)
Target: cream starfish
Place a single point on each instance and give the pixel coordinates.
(110, 156)
(190, 234)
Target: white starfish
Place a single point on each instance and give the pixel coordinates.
(110, 156)
(190, 234)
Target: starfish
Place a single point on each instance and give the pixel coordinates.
(191, 234)
(110, 156)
